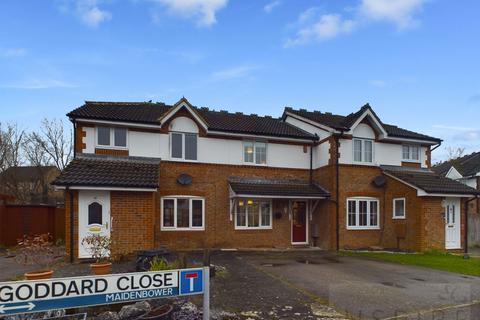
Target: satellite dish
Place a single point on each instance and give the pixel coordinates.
(184, 179)
(379, 181)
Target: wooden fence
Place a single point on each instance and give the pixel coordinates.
(474, 230)
(19, 220)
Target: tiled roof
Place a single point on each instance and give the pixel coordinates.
(149, 113)
(258, 186)
(468, 165)
(340, 122)
(428, 180)
(109, 171)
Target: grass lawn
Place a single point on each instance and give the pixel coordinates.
(434, 260)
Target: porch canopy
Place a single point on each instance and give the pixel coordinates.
(258, 187)
(101, 172)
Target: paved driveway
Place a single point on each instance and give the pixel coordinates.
(368, 289)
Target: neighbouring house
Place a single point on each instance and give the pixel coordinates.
(151, 174)
(466, 170)
(31, 184)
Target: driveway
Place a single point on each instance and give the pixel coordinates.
(371, 289)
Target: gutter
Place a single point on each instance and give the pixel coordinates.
(438, 145)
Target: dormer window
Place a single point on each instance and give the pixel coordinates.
(183, 146)
(411, 152)
(362, 150)
(111, 137)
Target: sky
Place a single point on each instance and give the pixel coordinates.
(415, 61)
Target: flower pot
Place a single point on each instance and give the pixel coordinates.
(101, 268)
(161, 313)
(38, 275)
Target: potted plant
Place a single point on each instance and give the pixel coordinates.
(99, 247)
(37, 250)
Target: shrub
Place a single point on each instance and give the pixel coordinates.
(160, 263)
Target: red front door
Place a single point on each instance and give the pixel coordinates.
(299, 222)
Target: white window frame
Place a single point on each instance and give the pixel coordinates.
(363, 151)
(410, 154)
(183, 146)
(112, 138)
(254, 162)
(395, 207)
(357, 213)
(174, 227)
(260, 227)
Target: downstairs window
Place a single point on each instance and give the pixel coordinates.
(362, 213)
(183, 213)
(253, 214)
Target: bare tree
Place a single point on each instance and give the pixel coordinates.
(455, 152)
(54, 141)
(34, 151)
(11, 140)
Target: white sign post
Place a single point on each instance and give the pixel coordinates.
(63, 293)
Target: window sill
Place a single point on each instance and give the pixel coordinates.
(181, 229)
(371, 164)
(411, 161)
(182, 160)
(399, 218)
(362, 228)
(253, 228)
(110, 147)
(255, 164)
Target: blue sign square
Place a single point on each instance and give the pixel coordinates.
(191, 281)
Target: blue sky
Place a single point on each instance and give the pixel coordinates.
(415, 61)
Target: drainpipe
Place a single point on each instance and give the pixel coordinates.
(72, 257)
(337, 173)
(438, 145)
(465, 232)
(311, 163)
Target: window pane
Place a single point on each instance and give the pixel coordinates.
(197, 216)
(103, 136)
(177, 145)
(399, 208)
(168, 213)
(190, 146)
(260, 153)
(120, 137)
(373, 213)
(95, 213)
(248, 151)
(415, 152)
(253, 213)
(368, 151)
(265, 214)
(183, 213)
(241, 213)
(406, 152)
(357, 150)
(363, 205)
(352, 209)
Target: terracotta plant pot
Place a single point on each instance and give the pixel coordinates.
(38, 275)
(161, 313)
(101, 268)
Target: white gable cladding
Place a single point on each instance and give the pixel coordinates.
(183, 124)
(364, 131)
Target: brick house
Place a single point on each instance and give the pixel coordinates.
(150, 175)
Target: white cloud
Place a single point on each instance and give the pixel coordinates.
(314, 27)
(399, 12)
(270, 6)
(378, 83)
(35, 84)
(88, 11)
(13, 52)
(328, 26)
(233, 73)
(203, 11)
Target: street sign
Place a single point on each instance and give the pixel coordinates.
(63, 293)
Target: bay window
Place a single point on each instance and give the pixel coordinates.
(363, 150)
(183, 213)
(111, 137)
(253, 214)
(183, 145)
(362, 213)
(411, 152)
(255, 152)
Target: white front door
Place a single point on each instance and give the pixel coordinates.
(93, 217)
(452, 223)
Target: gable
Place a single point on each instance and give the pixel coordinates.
(453, 174)
(364, 130)
(183, 106)
(370, 120)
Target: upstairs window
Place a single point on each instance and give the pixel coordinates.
(255, 152)
(362, 150)
(112, 137)
(362, 213)
(411, 152)
(183, 146)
